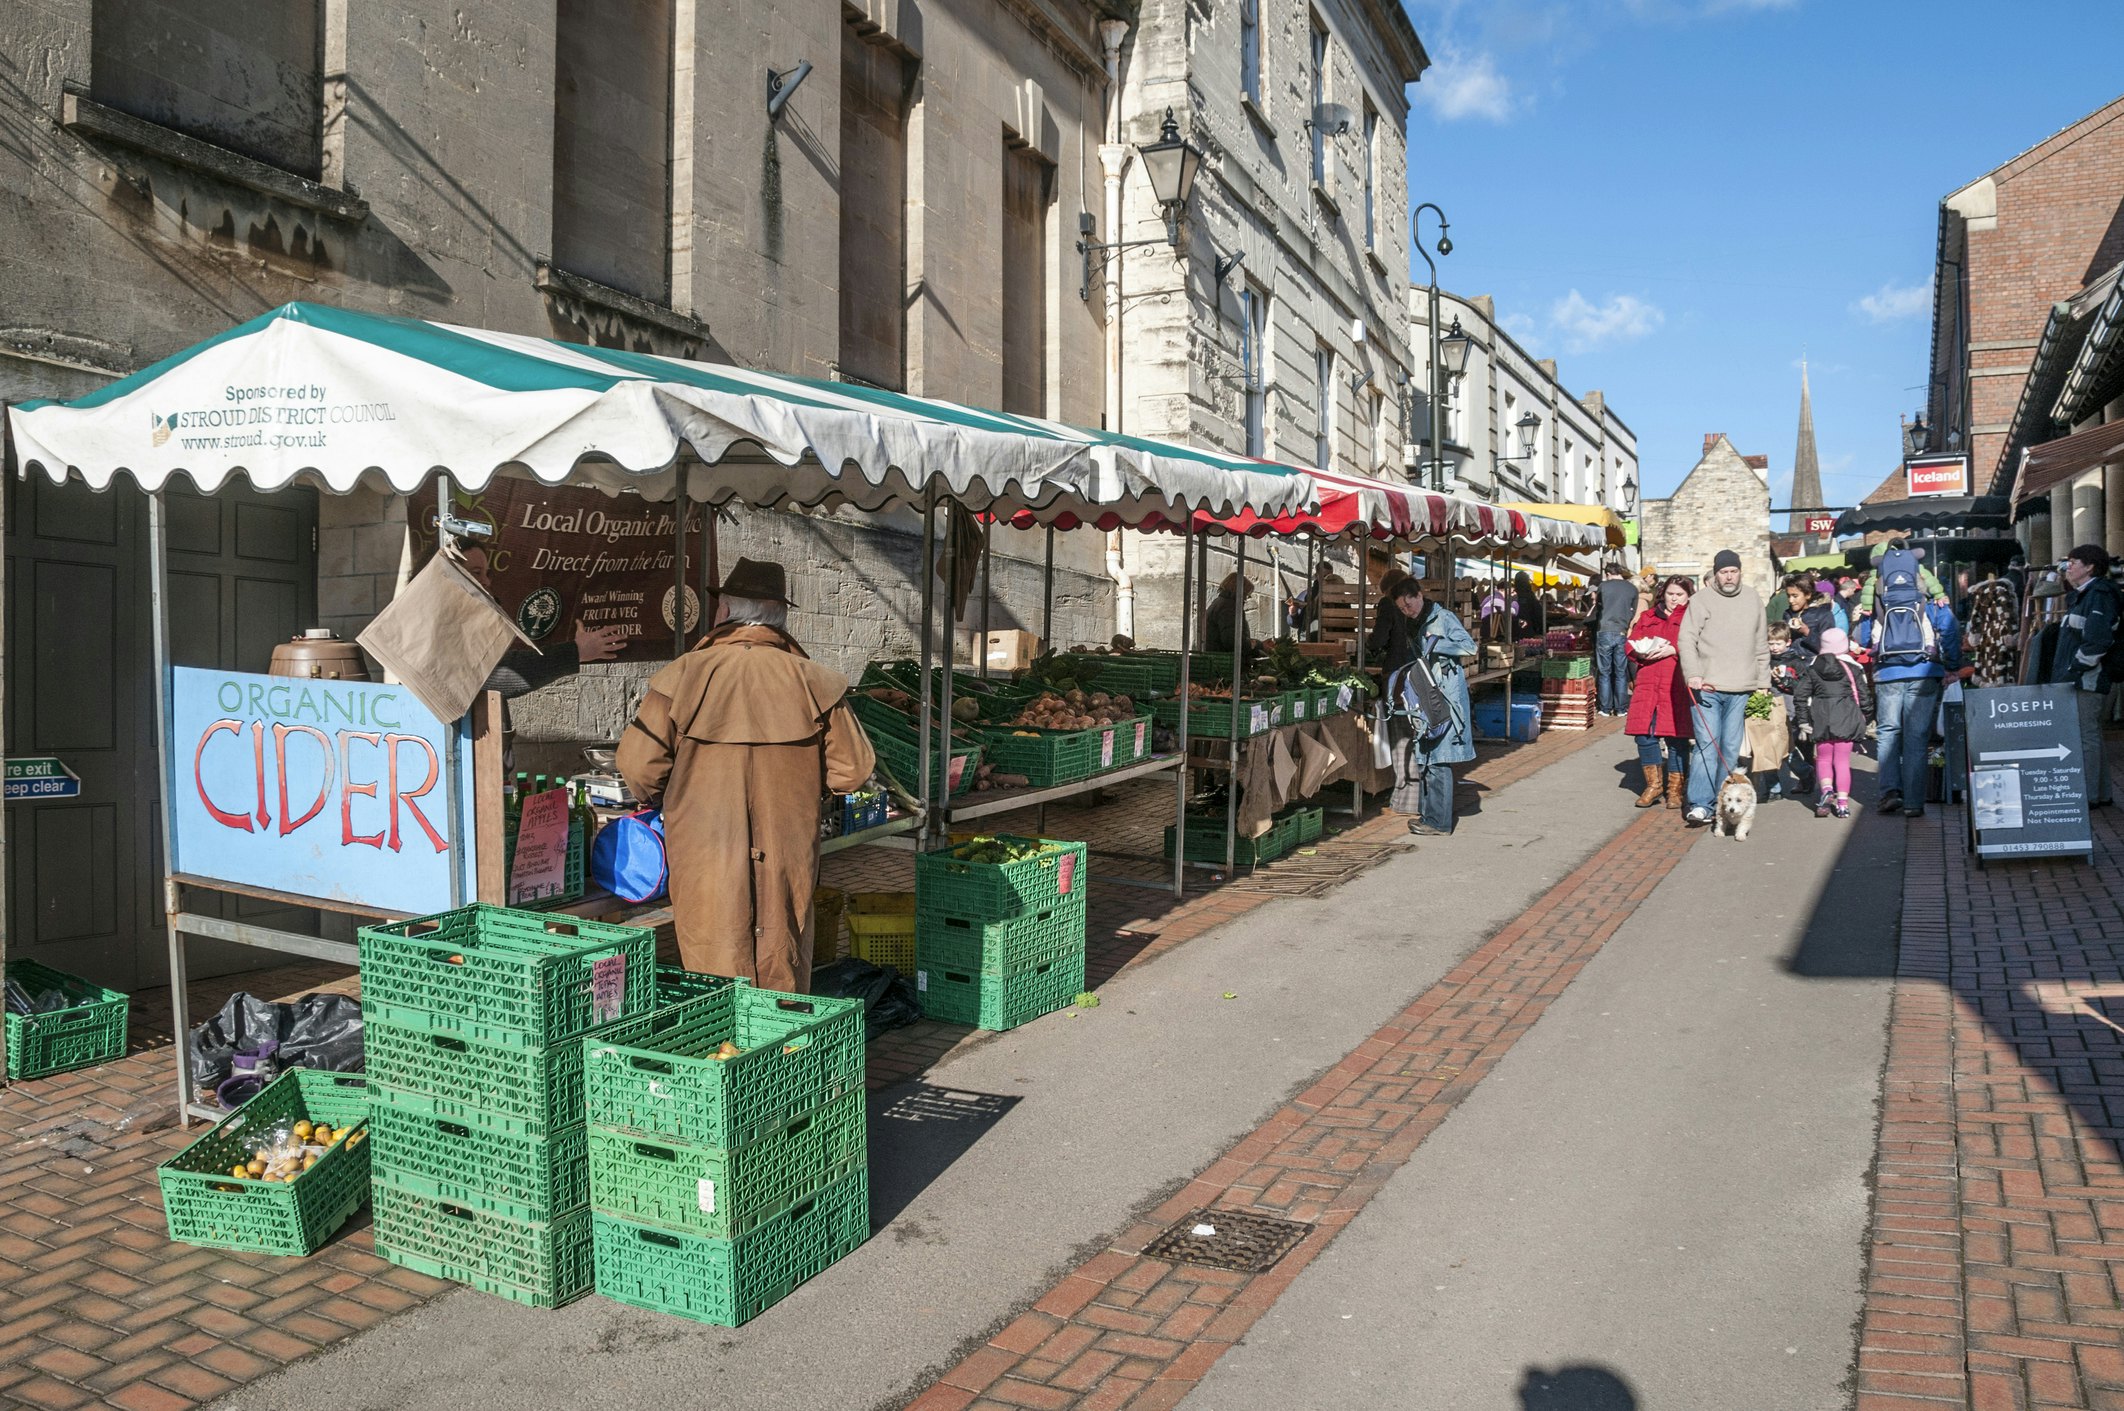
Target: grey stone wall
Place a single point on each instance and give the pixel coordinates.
(1724, 503)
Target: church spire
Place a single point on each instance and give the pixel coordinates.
(1806, 465)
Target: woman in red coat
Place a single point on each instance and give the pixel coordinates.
(1660, 715)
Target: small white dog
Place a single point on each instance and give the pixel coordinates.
(1736, 806)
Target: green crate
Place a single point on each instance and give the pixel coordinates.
(1000, 1002)
(731, 1281)
(991, 891)
(90, 1030)
(1131, 676)
(705, 1190)
(541, 1263)
(1566, 668)
(1308, 823)
(1206, 834)
(900, 761)
(526, 1091)
(1044, 757)
(800, 1052)
(1212, 720)
(509, 1173)
(206, 1205)
(947, 942)
(571, 867)
(510, 969)
(1134, 739)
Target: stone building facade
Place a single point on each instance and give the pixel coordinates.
(1300, 353)
(1722, 503)
(1583, 453)
(566, 169)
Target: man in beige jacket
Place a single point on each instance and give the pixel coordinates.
(737, 741)
(1725, 658)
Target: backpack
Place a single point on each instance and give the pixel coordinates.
(1906, 636)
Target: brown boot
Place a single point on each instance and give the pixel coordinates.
(1677, 787)
(1655, 785)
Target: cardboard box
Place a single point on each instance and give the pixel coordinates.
(1006, 651)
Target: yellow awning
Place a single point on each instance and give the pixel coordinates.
(1618, 533)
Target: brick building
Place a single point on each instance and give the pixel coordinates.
(1722, 503)
(2023, 254)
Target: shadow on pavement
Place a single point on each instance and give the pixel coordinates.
(917, 1130)
(1575, 1387)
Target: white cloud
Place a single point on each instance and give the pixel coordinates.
(1891, 302)
(1520, 326)
(1586, 324)
(1463, 85)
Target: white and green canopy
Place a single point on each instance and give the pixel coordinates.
(310, 394)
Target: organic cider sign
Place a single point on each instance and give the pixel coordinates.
(328, 789)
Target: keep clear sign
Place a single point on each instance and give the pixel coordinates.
(2027, 794)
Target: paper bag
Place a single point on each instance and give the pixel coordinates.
(443, 636)
(1318, 761)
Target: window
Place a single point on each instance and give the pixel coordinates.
(1250, 51)
(1382, 431)
(875, 83)
(243, 76)
(1324, 408)
(1564, 488)
(612, 144)
(1028, 182)
(1371, 175)
(1319, 95)
(1255, 354)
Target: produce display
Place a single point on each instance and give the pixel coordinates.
(995, 850)
(1074, 710)
(286, 1150)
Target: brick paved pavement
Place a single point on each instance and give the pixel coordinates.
(101, 1308)
(1996, 1272)
(1127, 1330)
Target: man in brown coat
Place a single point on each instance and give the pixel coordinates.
(737, 741)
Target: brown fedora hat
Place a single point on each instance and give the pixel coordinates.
(756, 579)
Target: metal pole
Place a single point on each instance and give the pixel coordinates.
(951, 643)
(1504, 573)
(1187, 624)
(159, 609)
(929, 590)
(453, 731)
(678, 563)
(1312, 590)
(988, 587)
(1364, 601)
(1047, 595)
(1231, 782)
(1437, 396)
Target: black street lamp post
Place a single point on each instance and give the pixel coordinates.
(1170, 164)
(1437, 378)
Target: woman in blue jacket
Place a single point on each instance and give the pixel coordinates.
(1418, 629)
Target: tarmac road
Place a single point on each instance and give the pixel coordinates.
(993, 1176)
(1658, 1201)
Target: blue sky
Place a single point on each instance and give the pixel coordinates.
(1678, 198)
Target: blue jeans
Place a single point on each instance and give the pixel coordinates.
(1651, 748)
(1905, 711)
(1721, 719)
(1611, 667)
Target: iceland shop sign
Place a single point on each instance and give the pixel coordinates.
(326, 789)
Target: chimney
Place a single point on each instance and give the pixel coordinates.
(1711, 439)
(1547, 365)
(1486, 306)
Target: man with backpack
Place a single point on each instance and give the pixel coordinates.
(2089, 656)
(1911, 562)
(1915, 642)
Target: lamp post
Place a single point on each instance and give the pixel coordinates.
(1528, 426)
(1437, 379)
(1915, 434)
(1170, 164)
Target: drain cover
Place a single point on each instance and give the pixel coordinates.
(1228, 1239)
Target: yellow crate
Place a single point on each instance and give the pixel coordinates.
(881, 929)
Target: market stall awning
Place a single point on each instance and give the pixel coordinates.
(1926, 512)
(1613, 530)
(310, 394)
(1817, 563)
(2045, 467)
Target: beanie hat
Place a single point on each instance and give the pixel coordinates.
(1725, 558)
(1836, 642)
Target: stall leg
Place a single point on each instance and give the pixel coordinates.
(679, 506)
(180, 1011)
(1364, 601)
(1187, 638)
(1231, 779)
(951, 643)
(453, 737)
(929, 593)
(1047, 595)
(988, 588)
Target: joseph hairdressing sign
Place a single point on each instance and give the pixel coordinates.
(563, 555)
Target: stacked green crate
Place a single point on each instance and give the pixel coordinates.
(728, 1159)
(473, 1023)
(218, 1193)
(999, 930)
